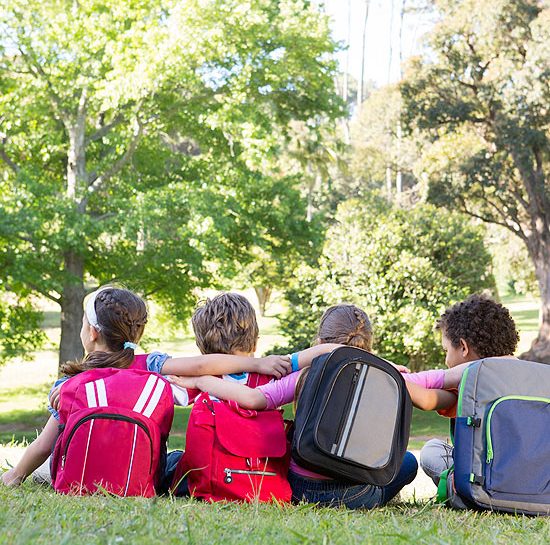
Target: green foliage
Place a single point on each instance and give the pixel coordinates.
(402, 266)
(19, 329)
(139, 141)
(481, 99)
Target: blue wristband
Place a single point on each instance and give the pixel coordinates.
(294, 362)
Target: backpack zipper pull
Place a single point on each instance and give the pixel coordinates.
(228, 478)
(63, 461)
(210, 408)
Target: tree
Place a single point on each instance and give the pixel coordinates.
(377, 146)
(402, 266)
(134, 138)
(482, 95)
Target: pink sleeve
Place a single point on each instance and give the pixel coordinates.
(279, 392)
(432, 379)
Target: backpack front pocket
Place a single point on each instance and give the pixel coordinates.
(518, 449)
(112, 451)
(366, 402)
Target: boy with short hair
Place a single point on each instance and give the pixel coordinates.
(473, 329)
(226, 324)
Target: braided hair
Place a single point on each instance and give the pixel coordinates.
(346, 324)
(122, 316)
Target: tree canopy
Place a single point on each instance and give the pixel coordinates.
(139, 142)
(403, 267)
(481, 96)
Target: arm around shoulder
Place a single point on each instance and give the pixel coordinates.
(430, 400)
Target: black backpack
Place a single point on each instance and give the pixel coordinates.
(353, 418)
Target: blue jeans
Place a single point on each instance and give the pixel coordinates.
(172, 460)
(331, 493)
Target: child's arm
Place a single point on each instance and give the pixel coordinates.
(438, 378)
(224, 364)
(34, 456)
(453, 376)
(218, 364)
(247, 398)
(430, 400)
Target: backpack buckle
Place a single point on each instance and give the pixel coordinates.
(477, 479)
(473, 421)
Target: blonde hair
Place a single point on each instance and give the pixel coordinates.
(226, 324)
(346, 324)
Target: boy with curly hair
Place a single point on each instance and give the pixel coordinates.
(473, 329)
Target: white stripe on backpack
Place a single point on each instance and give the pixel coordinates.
(131, 461)
(101, 392)
(101, 399)
(90, 394)
(155, 398)
(150, 384)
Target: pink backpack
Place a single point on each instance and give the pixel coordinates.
(234, 454)
(114, 424)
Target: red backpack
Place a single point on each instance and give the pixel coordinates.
(114, 426)
(234, 454)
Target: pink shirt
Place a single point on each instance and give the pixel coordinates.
(280, 392)
(432, 379)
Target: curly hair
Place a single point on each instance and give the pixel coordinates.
(346, 324)
(484, 324)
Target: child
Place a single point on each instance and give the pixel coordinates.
(226, 324)
(475, 328)
(112, 325)
(342, 324)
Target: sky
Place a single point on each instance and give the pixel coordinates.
(379, 40)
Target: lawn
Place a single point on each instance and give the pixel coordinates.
(33, 514)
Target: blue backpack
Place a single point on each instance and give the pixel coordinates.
(502, 439)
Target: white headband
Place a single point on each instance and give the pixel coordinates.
(90, 308)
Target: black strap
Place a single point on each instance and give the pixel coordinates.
(477, 479)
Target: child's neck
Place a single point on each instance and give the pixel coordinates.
(242, 354)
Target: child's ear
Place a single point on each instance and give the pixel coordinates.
(465, 349)
(94, 333)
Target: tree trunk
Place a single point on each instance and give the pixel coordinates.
(360, 93)
(540, 348)
(389, 182)
(71, 309)
(263, 294)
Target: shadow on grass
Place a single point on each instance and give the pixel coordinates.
(18, 426)
(40, 391)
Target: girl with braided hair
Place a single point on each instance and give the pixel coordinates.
(343, 324)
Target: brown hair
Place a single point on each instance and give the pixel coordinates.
(122, 316)
(225, 324)
(300, 386)
(346, 324)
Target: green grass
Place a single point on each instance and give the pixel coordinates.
(36, 515)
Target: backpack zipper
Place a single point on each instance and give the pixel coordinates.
(349, 397)
(229, 473)
(490, 453)
(107, 417)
